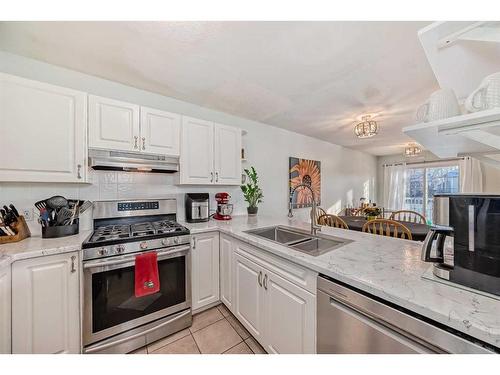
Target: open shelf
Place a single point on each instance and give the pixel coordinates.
(472, 133)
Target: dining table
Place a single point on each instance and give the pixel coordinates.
(418, 230)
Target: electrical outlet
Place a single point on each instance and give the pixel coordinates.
(28, 214)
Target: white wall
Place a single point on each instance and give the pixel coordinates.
(346, 174)
(491, 175)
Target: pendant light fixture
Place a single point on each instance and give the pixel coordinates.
(366, 128)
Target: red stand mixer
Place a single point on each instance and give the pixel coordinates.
(224, 208)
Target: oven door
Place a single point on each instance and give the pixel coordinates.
(110, 305)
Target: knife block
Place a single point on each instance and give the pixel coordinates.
(21, 229)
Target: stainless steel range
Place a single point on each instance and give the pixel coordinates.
(114, 320)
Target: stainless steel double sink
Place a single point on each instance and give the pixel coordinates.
(300, 240)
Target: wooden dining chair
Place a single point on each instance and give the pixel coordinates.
(408, 216)
(319, 212)
(332, 221)
(387, 228)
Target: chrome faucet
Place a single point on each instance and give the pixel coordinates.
(314, 226)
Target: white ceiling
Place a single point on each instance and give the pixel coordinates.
(314, 78)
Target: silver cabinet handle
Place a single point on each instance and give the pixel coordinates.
(73, 265)
(211, 176)
(143, 143)
(216, 176)
(194, 243)
(265, 281)
(136, 138)
(259, 279)
(79, 171)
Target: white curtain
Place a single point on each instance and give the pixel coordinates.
(394, 186)
(471, 176)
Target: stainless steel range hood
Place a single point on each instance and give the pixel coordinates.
(132, 162)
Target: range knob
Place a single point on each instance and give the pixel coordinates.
(120, 249)
(176, 240)
(143, 245)
(164, 242)
(102, 251)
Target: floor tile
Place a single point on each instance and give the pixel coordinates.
(241, 348)
(186, 345)
(224, 310)
(238, 327)
(140, 351)
(255, 346)
(217, 337)
(205, 318)
(168, 340)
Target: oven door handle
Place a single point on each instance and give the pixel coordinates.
(110, 261)
(139, 334)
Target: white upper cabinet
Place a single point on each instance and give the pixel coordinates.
(43, 129)
(113, 124)
(160, 132)
(117, 125)
(227, 161)
(197, 152)
(46, 305)
(210, 153)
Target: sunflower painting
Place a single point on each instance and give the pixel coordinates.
(306, 172)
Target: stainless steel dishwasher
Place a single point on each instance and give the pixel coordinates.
(350, 321)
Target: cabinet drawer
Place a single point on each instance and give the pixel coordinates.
(292, 272)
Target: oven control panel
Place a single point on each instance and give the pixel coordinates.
(138, 206)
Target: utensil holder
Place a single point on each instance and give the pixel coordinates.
(21, 229)
(61, 230)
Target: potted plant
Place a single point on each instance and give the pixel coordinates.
(372, 212)
(251, 191)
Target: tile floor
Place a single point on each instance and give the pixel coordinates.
(214, 331)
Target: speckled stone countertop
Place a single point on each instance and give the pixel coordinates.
(385, 267)
(37, 246)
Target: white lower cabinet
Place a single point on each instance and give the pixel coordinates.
(5, 306)
(277, 312)
(45, 305)
(226, 270)
(290, 312)
(205, 269)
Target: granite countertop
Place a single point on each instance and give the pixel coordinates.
(388, 268)
(37, 246)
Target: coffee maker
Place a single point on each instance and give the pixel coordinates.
(224, 208)
(464, 243)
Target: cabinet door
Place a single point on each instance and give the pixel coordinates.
(226, 264)
(43, 131)
(205, 269)
(227, 162)
(248, 295)
(160, 132)
(113, 124)
(45, 305)
(197, 152)
(290, 317)
(5, 305)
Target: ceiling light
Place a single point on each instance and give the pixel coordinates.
(366, 128)
(412, 150)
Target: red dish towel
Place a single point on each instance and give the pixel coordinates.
(147, 280)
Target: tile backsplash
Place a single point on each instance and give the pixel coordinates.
(105, 185)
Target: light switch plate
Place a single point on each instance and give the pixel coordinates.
(28, 214)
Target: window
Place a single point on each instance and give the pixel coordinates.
(422, 183)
